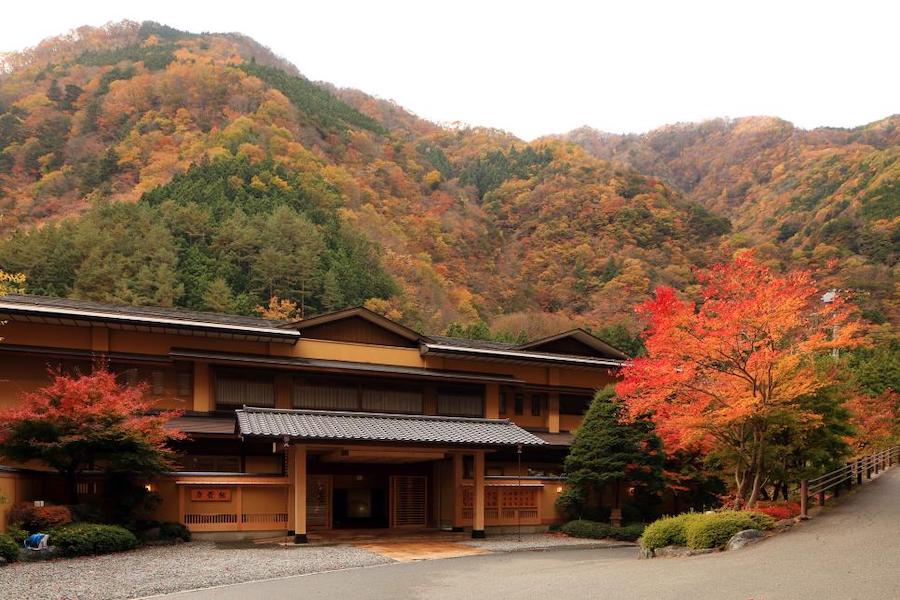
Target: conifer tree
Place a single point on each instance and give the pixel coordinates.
(609, 452)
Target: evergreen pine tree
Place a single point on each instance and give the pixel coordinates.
(608, 452)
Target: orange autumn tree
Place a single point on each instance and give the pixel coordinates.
(728, 372)
(80, 422)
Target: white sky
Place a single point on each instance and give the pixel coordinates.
(549, 66)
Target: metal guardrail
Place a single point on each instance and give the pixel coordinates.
(845, 477)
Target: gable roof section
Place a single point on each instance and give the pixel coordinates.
(359, 325)
(568, 342)
(66, 311)
(381, 427)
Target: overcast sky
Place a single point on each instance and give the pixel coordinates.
(546, 67)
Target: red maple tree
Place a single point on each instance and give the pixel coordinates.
(80, 422)
(720, 373)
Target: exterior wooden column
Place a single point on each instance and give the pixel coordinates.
(492, 401)
(553, 412)
(457, 491)
(478, 521)
(202, 400)
(299, 479)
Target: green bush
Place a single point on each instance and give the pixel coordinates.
(702, 530)
(88, 538)
(714, 531)
(174, 531)
(583, 528)
(627, 533)
(668, 531)
(9, 549)
(15, 531)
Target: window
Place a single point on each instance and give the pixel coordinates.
(570, 404)
(157, 383)
(185, 384)
(537, 402)
(325, 396)
(392, 400)
(357, 396)
(460, 402)
(519, 403)
(212, 464)
(234, 390)
(502, 402)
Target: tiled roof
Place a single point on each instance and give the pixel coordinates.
(333, 425)
(467, 343)
(180, 314)
(47, 309)
(557, 439)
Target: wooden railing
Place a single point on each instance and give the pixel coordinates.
(231, 522)
(845, 476)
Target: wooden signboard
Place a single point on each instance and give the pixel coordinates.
(210, 495)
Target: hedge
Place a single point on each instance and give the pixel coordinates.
(89, 538)
(9, 549)
(702, 530)
(582, 528)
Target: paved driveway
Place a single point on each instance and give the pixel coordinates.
(851, 551)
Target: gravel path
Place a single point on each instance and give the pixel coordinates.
(537, 541)
(161, 569)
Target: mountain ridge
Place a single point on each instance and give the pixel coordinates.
(471, 225)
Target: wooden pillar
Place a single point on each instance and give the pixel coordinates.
(239, 506)
(804, 499)
(553, 412)
(181, 503)
(299, 479)
(203, 401)
(478, 520)
(492, 401)
(457, 491)
(284, 390)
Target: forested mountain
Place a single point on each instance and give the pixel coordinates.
(147, 165)
(810, 196)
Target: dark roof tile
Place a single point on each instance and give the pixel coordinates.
(333, 425)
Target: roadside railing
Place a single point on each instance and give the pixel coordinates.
(845, 477)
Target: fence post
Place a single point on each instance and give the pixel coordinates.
(822, 498)
(804, 499)
(859, 470)
(868, 467)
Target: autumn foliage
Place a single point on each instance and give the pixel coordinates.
(726, 374)
(78, 422)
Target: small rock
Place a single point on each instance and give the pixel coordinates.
(645, 552)
(784, 524)
(743, 538)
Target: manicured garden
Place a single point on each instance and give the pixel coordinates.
(69, 535)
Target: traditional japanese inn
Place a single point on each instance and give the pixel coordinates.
(341, 421)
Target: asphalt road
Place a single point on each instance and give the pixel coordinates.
(850, 551)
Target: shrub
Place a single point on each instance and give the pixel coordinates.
(628, 533)
(583, 528)
(174, 531)
(714, 531)
(668, 531)
(779, 511)
(9, 549)
(88, 538)
(39, 518)
(16, 533)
